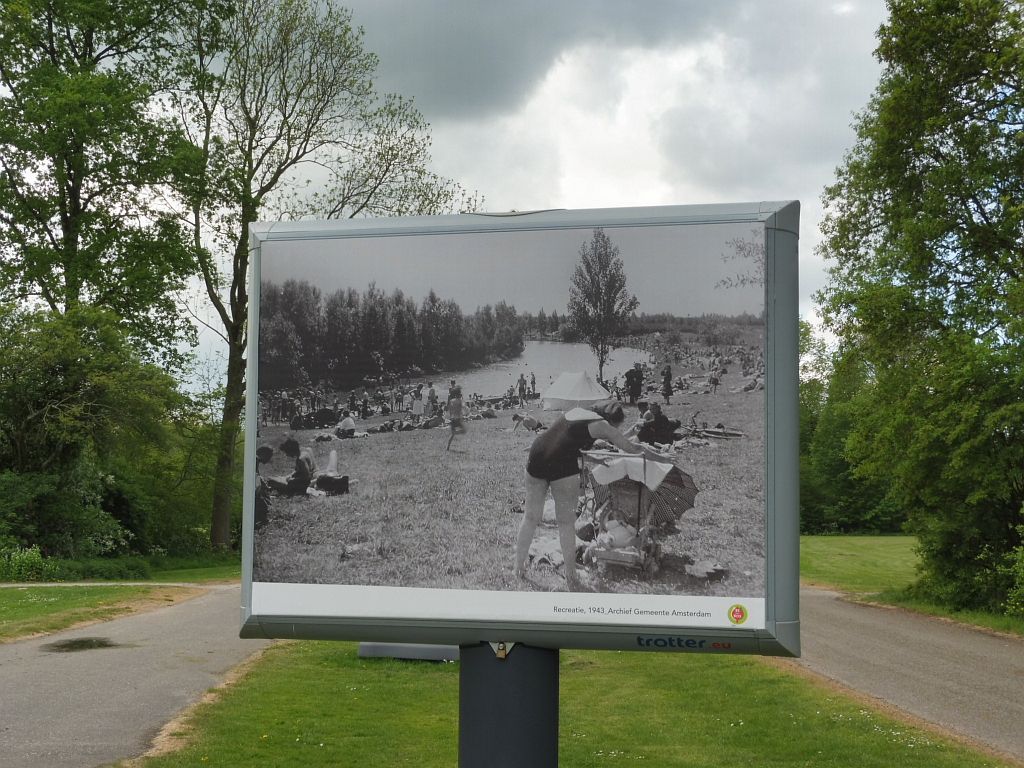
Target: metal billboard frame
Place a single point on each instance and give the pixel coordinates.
(780, 634)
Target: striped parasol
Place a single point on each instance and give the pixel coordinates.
(665, 503)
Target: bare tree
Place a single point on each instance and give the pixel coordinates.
(274, 92)
(599, 304)
(750, 253)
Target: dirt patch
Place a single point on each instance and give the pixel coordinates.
(161, 597)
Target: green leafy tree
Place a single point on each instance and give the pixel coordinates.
(84, 160)
(599, 304)
(272, 89)
(73, 393)
(814, 375)
(925, 225)
(845, 498)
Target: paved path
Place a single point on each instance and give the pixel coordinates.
(159, 663)
(966, 681)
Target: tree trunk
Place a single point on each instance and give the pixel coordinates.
(235, 319)
(230, 429)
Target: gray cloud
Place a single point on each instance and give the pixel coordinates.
(463, 59)
(781, 109)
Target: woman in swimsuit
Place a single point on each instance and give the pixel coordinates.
(554, 465)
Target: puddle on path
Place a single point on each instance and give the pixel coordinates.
(80, 644)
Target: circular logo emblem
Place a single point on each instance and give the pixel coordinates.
(737, 614)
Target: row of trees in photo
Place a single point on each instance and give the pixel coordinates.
(350, 338)
(545, 325)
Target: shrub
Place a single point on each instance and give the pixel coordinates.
(17, 564)
(129, 568)
(1015, 598)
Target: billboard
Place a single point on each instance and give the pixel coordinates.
(561, 428)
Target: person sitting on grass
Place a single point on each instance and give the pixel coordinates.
(644, 417)
(432, 422)
(306, 473)
(298, 481)
(347, 426)
(659, 429)
(527, 421)
(331, 481)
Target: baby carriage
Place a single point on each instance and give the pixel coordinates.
(630, 504)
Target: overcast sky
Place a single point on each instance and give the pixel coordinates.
(597, 103)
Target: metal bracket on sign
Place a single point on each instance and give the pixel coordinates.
(501, 650)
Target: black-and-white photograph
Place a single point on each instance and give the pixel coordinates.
(565, 409)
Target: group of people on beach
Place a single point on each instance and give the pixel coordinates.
(310, 407)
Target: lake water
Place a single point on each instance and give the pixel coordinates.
(546, 360)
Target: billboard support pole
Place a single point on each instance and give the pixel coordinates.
(508, 706)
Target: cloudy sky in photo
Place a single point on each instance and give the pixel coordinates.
(596, 103)
(683, 270)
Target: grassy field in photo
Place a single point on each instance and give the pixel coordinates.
(315, 704)
(419, 515)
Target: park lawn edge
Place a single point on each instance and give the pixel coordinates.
(155, 597)
(884, 708)
(991, 623)
(181, 731)
(837, 563)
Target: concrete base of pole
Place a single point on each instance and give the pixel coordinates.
(413, 651)
(508, 708)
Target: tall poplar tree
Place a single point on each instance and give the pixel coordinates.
(599, 304)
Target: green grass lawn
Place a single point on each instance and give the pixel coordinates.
(858, 563)
(318, 704)
(880, 569)
(200, 574)
(33, 610)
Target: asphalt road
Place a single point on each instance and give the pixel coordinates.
(967, 681)
(91, 707)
